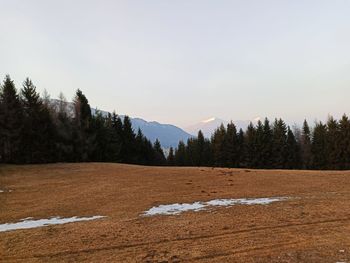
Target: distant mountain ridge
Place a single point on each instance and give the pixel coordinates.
(208, 126)
(169, 135)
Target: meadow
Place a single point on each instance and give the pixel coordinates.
(308, 221)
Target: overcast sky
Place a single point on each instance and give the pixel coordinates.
(180, 61)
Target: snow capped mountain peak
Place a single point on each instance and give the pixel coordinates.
(257, 119)
(208, 126)
(209, 120)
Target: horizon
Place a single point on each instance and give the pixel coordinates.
(183, 62)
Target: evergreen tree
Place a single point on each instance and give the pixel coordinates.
(102, 135)
(11, 119)
(279, 144)
(241, 149)
(149, 151)
(128, 146)
(180, 154)
(206, 156)
(250, 149)
(200, 150)
(159, 158)
(293, 152)
(63, 132)
(231, 146)
(171, 157)
(140, 150)
(218, 146)
(259, 146)
(319, 146)
(344, 145)
(267, 145)
(83, 137)
(333, 143)
(192, 157)
(117, 138)
(305, 145)
(38, 138)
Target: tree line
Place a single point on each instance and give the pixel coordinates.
(270, 146)
(33, 130)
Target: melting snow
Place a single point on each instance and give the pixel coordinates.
(28, 223)
(3, 191)
(174, 209)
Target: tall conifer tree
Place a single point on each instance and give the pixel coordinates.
(305, 144)
(11, 122)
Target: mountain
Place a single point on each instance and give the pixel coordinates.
(168, 135)
(208, 126)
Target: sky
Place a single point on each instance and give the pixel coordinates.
(181, 61)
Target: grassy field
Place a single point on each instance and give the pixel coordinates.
(313, 225)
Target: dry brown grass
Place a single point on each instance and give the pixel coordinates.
(312, 227)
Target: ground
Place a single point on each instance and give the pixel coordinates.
(312, 226)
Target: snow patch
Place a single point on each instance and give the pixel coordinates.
(174, 209)
(29, 223)
(3, 191)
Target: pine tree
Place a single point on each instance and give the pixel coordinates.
(128, 146)
(305, 144)
(319, 146)
(207, 155)
(83, 137)
(250, 148)
(218, 146)
(200, 149)
(333, 143)
(259, 146)
(159, 158)
(149, 151)
(192, 157)
(241, 149)
(171, 157)
(139, 147)
(117, 138)
(11, 118)
(293, 152)
(63, 132)
(38, 136)
(180, 154)
(231, 146)
(267, 145)
(100, 150)
(344, 146)
(279, 144)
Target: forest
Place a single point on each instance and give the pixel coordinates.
(33, 130)
(270, 146)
